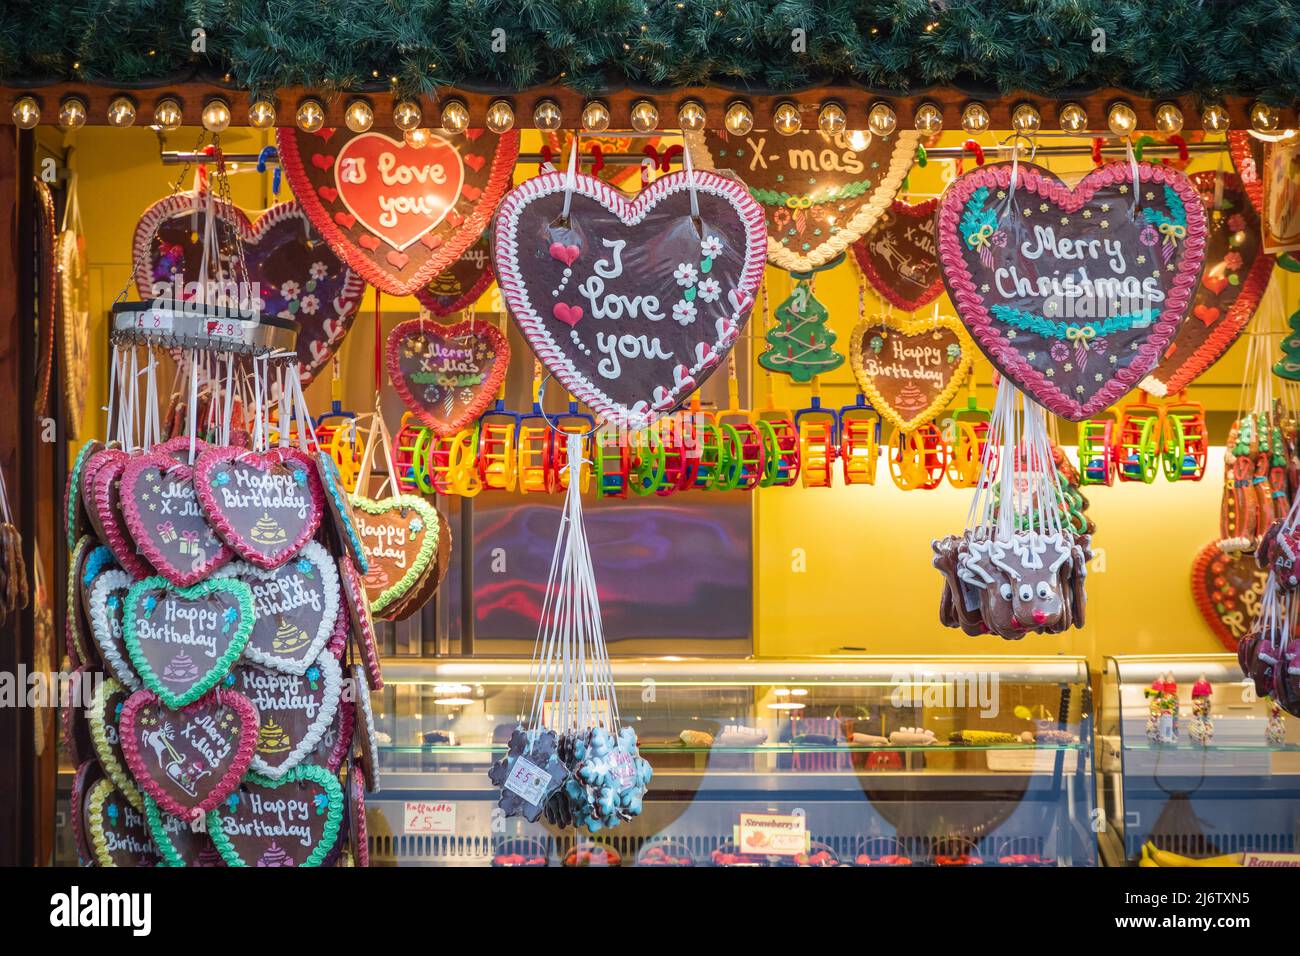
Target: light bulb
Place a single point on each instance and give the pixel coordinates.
(1169, 119)
(72, 113)
(310, 116)
(786, 119)
(644, 116)
(1073, 118)
(1121, 119)
(500, 116)
(121, 112)
(595, 117)
(546, 115)
(419, 137)
(928, 118)
(739, 118)
(832, 119)
(881, 119)
(359, 116)
(1026, 118)
(27, 112)
(407, 115)
(216, 116)
(691, 116)
(167, 115)
(1264, 117)
(974, 118)
(261, 114)
(1214, 118)
(455, 117)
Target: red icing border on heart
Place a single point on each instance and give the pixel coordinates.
(1239, 149)
(505, 257)
(110, 517)
(439, 308)
(136, 525)
(216, 455)
(878, 282)
(1204, 603)
(487, 389)
(1238, 317)
(228, 782)
(457, 240)
(360, 839)
(1034, 180)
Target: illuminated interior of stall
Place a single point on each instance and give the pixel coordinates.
(840, 570)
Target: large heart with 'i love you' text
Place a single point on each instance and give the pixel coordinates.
(1074, 294)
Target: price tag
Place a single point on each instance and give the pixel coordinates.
(225, 329)
(623, 770)
(1270, 859)
(528, 780)
(772, 834)
(155, 320)
(428, 816)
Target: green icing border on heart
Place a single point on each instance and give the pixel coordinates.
(333, 816)
(153, 817)
(243, 594)
(104, 750)
(428, 547)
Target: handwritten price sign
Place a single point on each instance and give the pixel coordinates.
(428, 816)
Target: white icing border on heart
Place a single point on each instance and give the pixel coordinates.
(366, 719)
(332, 675)
(122, 670)
(314, 552)
(505, 258)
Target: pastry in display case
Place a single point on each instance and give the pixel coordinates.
(1193, 765)
(867, 761)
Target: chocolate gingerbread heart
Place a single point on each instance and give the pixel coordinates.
(400, 537)
(366, 737)
(1227, 588)
(116, 832)
(84, 778)
(909, 371)
(448, 375)
(107, 611)
(105, 715)
(1073, 293)
(164, 518)
(899, 255)
(266, 506)
(398, 214)
(290, 822)
(361, 620)
(181, 843)
(461, 284)
(343, 521)
(75, 520)
(294, 711)
(295, 608)
(631, 305)
(1236, 274)
(182, 641)
(108, 515)
(293, 269)
(820, 192)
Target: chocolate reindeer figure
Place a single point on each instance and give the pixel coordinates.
(1029, 582)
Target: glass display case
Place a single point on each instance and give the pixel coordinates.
(868, 761)
(1162, 778)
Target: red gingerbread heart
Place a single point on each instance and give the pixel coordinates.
(1227, 587)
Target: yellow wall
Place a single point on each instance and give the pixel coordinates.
(846, 567)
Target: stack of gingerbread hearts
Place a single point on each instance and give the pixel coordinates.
(213, 620)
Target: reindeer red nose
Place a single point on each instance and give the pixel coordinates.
(1039, 616)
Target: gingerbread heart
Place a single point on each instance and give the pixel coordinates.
(631, 304)
(182, 641)
(290, 822)
(820, 192)
(295, 608)
(180, 843)
(461, 284)
(398, 214)
(109, 517)
(1227, 588)
(76, 522)
(188, 759)
(400, 537)
(366, 736)
(1236, 274)
(84, 778)
(336, 742)
(294, 711)
(116, 832)
(164, 518)
(910, 371)
(1247, 154)
(342, 519)
(292, 269)
(265, 506)
(77, 637)
(107, 611)
(362, 623)
(899, 256)
(1073, 294)
(105, 714)
(75, 717)
(448, 375)
(358, 837)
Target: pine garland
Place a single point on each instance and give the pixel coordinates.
(1154, 47)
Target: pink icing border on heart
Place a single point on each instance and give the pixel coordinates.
(116, 533)
(970, 303)
(229, 780)
(357, 809)
(135, 523)
(487, 389)
(217, 455)
(363, 624)
(505, 257)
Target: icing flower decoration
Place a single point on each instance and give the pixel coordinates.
(222, 478)
(1059, 351)
(232, 801)
(310, 304)
(416, 525)
(289, 290)
(709, 290)
(228, 618)
(300, 476)
(321, 802)
(685, 274)
(150, 603)
(954, 352)
(1236, 222)
(313, 676)
(319, 271)
(684, 312)
(228, 681)
(305, 567)
(710, 247)
(113, 813)
(1148, 236)
(877, 344)
(1232, 260)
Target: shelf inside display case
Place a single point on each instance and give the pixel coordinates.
(806, 743)
(1238, 790)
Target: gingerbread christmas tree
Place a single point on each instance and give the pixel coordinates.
(1288, 366)
(800, 343)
